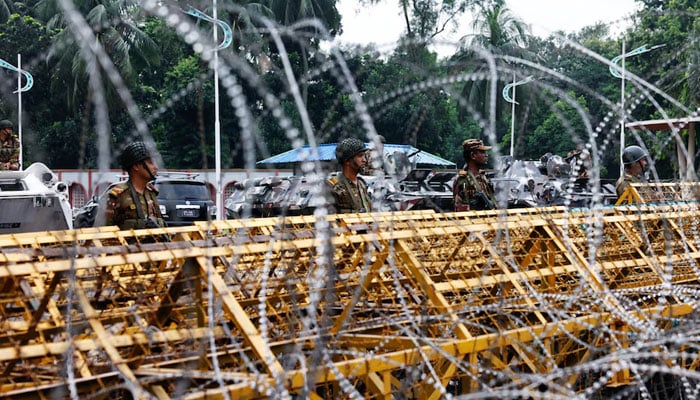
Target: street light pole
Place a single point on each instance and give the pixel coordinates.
(623, 111)
(512, 101)
(228, 38)
(19, 109)
(217, 124)
(20, 89)
(619, 72)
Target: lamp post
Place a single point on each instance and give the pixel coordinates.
(619, 72)
(20, 89)
(228, 38)
(512, 101)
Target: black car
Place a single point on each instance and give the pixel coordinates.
(182, 201)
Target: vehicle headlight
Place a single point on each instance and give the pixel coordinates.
(163, 210)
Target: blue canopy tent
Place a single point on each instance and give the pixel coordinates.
(326, 155)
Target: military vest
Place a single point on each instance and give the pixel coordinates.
(624, 181)
(349, 197)
(9, 150)
(473, 192)
(129, 209)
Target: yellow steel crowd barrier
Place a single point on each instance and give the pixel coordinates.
(388, 305)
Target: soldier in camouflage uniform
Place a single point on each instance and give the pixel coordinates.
(9, 147)
(636, 164)
(472, 190)
(348, 188)
(134, 203)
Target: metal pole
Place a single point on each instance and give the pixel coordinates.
(615, 73)
(19, 107)
(512, 120)
(217, 124)
(622, 105)
(506, 97)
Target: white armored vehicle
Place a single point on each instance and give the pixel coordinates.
(33, 200)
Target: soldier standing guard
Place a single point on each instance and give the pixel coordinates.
(348, 188)
(134, 203)
(636, 165)
(9, 147)
(472, 190)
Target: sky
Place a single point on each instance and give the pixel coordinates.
(382, 24)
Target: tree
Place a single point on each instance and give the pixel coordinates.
(426, 19)
(557, 133)
(306, 39)
(407, 103)
(6, 9)
(675, 24)
(498, 32)
(116, 26)
(26, 36)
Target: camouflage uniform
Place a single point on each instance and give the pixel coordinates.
(631, 155)
(465, 191)
(348, 197)
(9, 153)
(623, 183)
(121, 209)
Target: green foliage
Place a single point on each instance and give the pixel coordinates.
(559, 132)
(673, 68)
(65, 141)
(27, 37)
(409, 96)
(500, 33)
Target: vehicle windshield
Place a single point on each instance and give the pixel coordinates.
(182, 191)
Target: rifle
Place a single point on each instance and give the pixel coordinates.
(481, 202)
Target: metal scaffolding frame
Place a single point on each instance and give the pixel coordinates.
(386, 305)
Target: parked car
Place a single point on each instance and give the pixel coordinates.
(182, 201)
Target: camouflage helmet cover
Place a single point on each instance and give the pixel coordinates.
(134, 153)
(469, 145)
(474, 144)
(348, 148)
(632, 154)
(6, 124)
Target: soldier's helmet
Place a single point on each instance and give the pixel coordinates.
(474, 144)
(470, 145)
(632, 154)
(348, 148)
(133, 154)
(6, 124)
